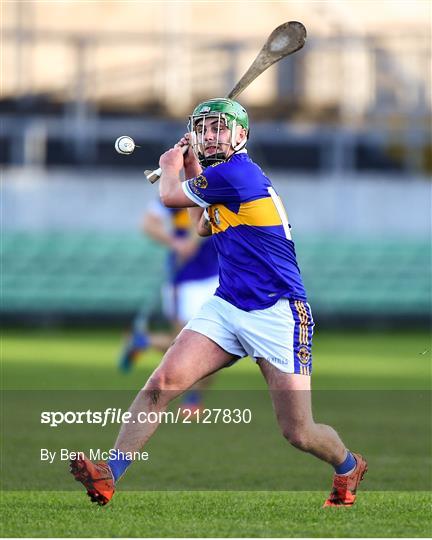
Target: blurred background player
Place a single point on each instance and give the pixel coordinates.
(192, 279)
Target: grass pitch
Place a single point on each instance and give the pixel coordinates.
(216, 514)
(394, 500)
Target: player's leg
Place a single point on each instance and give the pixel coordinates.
(136, 341)
(191, 357)
(291, 397)
(280, 338)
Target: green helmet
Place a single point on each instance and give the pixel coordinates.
(230, 110)
(233, 115)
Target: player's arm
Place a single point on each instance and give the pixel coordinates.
(154, 226)
(171, 163)
(170, 190)
(200, 221)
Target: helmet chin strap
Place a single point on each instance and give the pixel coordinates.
(213, 159)
(241, 144)
(220, 157)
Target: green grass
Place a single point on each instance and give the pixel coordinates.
(349, 360)
(210, 514)
(219, 481)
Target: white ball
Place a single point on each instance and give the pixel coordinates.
(124, 145)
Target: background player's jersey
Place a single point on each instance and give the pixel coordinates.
(251, 233)
(203, 264)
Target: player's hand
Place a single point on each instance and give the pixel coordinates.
(172, 158)
(190, 160)
(184, 141)
(185, 248)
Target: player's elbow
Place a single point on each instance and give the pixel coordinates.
(169, 198)
(166, 199)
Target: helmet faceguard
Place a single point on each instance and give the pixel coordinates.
(226, 110)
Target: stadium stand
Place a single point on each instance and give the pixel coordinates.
(367, 277)
(96, 274)
(79, 273)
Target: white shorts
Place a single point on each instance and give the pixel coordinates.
(282, 333)
(182, 302)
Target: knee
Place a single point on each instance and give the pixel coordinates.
(160, 387)
(299, 437)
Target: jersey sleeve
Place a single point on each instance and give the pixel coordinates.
(210, 187)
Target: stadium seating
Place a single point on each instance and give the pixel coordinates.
(367, 277)
(86, 273)
(78, 273)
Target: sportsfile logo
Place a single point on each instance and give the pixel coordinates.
(117, 416)
(108, 416)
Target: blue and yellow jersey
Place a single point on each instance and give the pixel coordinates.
(251, 233)
(203, 264)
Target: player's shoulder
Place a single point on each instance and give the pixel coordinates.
(239, 160)
(239, 167)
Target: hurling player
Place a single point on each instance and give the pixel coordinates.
(260, 308)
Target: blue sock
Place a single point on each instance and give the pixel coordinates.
(193, 397)
(140, 340)
(118, 466)
(347, 465)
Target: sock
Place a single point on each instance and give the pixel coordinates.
(140, 340)
(346, 466)
(118, 466)
(140, 323)
(193, 397)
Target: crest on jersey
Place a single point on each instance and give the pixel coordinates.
(200, 182)
(303, 355)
